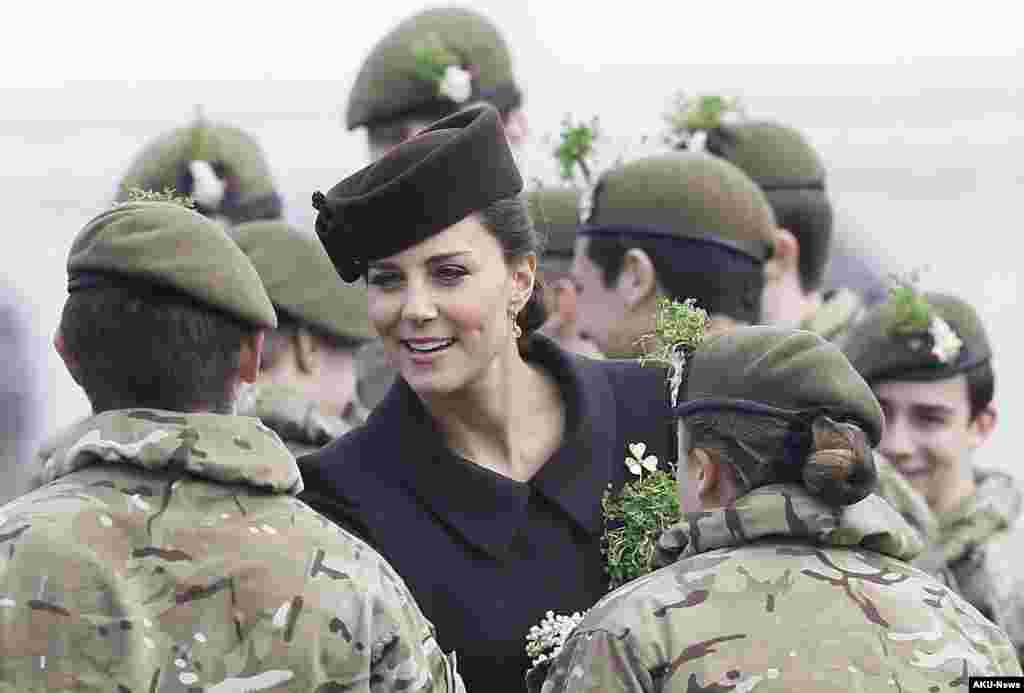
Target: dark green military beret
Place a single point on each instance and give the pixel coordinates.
(712, 226)
(555, 214)
(432, 64)
(686, 195)
(220, 166)
(763, 369)
(939, 337)
(455, 167)
(775, 156)
(165, 245)
(301, 280)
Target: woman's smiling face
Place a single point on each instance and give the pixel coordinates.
(442, 306)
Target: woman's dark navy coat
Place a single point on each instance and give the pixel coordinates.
(486, 556)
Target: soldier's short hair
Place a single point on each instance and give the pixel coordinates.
(674, 274)
(981, 387)
(157, 349)
(807, 214)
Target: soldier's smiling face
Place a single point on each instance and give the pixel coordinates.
(930, 436)
(441, 307)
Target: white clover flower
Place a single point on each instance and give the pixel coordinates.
(207, 188)
(946, 344)
(457, 84)
(545, 641)
(698, 141)
(637, 463)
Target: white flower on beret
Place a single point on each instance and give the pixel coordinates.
(457, 84)
(946, 345)
(207, 187)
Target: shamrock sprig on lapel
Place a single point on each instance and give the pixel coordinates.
(636, 462)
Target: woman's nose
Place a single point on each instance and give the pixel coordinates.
(419, 304)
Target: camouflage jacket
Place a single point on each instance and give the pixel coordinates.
(983, 549)
(840, 310)
(167, 553)
(299, 422)
(782, 593)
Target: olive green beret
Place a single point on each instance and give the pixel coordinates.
(166, 245)
(775, 156)
(884, 345)
(222, 167)
(758, 369)
(687, 195)
(401, 76)
(457, 166)
(555, 215)
(301, 280)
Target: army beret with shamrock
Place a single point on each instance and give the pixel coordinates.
(920, 337)
(430, 65)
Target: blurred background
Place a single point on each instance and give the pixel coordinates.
(916, 109)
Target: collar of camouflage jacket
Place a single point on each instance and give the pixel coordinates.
(291, 415)
(789, 512)
(839, 310)
(222, 448)
(994, 507)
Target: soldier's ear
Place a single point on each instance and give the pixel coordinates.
(785, 256)
(638, 281)
(307, 351)
(249, 356)
(70, 360)
(981, 426)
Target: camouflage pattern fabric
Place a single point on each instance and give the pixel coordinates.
(167, 554)
(982, 547)
(298, 421)
(780, 592)
(837, 314)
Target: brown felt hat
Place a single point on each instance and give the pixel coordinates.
(457, 166)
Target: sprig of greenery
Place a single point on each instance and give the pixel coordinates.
(701, 113)
(678, 327)
(137, 194)
(575, 147)
(634, 519)
(909, 312)
(432, 58)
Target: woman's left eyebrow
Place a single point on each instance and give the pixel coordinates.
(444, 257)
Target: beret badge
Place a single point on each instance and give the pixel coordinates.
(349, 266)
(920, 327)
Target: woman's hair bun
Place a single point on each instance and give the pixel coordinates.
(841, 467)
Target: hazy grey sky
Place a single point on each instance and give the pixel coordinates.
(47, 43)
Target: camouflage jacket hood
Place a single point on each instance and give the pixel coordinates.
(219, 447)
(781, 593)
(298, 421)
(839, 311)
(982, 548)
(788, 511)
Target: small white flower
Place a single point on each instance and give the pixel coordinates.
(207, 188)
(946, 344)
(457, 84)
(637, 463)
(698, 142)
(545, 641)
